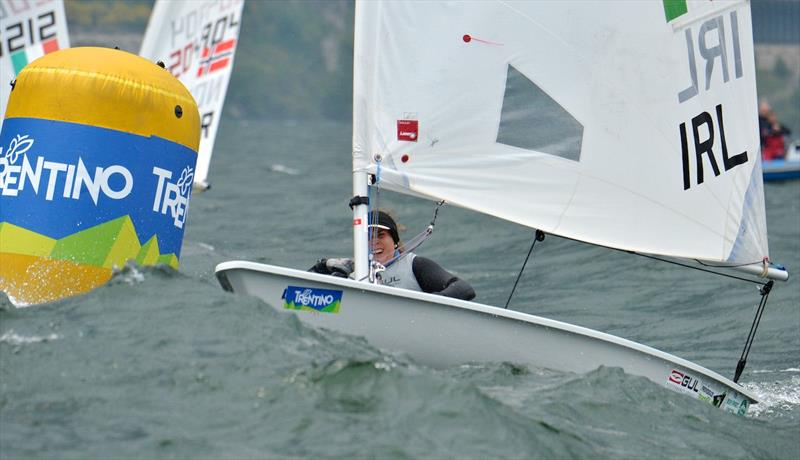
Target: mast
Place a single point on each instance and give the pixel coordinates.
(363, 96)
(360, 234)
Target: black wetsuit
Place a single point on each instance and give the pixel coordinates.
(434, 279)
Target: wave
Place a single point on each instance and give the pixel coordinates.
(12, 338)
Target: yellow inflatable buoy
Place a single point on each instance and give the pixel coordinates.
(97, 154)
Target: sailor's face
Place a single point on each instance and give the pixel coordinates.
(383, 246)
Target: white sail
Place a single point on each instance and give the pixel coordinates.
(28, 30)
(628, 124)
(197, 42)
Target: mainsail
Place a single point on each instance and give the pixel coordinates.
(630, 125)
(29, 30)
(197, 41)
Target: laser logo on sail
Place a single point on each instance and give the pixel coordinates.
(407, 130)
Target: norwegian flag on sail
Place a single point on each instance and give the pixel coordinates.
(217, 57)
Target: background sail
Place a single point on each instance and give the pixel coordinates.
(29, 30)
(625, 124)
(197, 41)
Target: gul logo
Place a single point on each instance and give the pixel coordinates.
(67, 179)
(684, 380)
(173, 196)
(390, 281)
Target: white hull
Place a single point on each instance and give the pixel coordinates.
(440, 332)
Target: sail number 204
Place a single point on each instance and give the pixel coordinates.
(711, 48)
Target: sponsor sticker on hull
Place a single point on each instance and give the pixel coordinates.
(724, 398)
(312, 299)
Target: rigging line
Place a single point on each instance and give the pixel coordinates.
(412, 244)
(539, 237)
(420, 238)
(760, 283)
(627, 251)
(423, 236)
(765, 290)
(744, 264)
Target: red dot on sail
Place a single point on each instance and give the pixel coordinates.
(467, 38)
(404, 158)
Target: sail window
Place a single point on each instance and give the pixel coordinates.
(532, 120)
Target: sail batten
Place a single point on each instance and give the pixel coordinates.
(599, 121)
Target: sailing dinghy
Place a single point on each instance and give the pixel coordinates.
(197, 42)
(629, 125)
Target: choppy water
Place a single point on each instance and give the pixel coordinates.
(163, 364)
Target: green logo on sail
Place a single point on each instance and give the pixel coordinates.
(674, 8)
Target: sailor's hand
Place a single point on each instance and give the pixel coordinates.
(320, 267)
(341, 267)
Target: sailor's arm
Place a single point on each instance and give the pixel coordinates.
(434, 279)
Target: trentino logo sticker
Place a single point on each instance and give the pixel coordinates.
(312, 299)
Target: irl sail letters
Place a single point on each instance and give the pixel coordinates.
(704, 125)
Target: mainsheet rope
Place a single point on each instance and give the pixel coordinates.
(538, 237)
(765, 290)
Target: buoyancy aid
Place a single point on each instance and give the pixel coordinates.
(401, 274)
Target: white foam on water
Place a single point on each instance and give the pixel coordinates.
(776, 396)
(284, 169)
(12, 338)
(129, 274)
(16, 302)
(206, 246)
(768, 371)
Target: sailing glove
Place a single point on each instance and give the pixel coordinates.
(341, 267)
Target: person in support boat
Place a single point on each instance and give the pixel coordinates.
(410, 271)
(773, 144)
